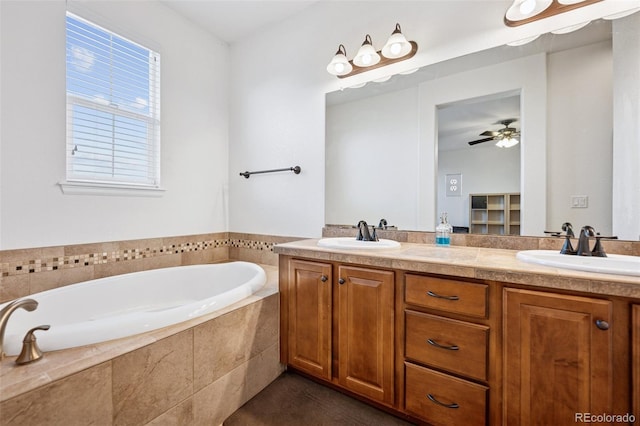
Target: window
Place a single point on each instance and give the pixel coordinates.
(113, 108)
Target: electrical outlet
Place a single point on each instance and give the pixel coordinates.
(579, 201)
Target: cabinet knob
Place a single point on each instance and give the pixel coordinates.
(324, 278)
(434, 400)
(341, 281)
(602, 324)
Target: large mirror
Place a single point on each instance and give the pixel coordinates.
(391, 146)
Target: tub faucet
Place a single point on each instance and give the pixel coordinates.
(583, 242)
(5, 313)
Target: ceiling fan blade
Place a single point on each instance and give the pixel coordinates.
(480, 141)
(489, 133)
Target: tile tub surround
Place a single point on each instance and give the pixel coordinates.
(196, 372)
(470, 262)
(510, 242)
(28, 271)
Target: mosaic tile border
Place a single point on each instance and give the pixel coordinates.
(28, 266)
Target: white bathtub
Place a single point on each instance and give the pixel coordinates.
(124, 305)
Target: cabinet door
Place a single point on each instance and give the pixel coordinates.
(366, 330)
(309, 328)
(558, 357)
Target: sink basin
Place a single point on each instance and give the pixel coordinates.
(352, 243)
(613, 264)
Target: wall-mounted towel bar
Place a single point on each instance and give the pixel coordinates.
(295, 170)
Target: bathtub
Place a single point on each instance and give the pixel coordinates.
(124, 305)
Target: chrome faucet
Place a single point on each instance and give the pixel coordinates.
(363, 232)
(5, 313)
(583, 242)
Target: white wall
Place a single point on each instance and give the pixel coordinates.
(372, 148)
(484, 169)
(33, 210)
(579, 148)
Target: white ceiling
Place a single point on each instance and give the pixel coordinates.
(231, 21)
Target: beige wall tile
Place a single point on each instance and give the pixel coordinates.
(163, 261)
(53, 279)
(117, 268)
(180, 415)
(213, 404)
(80, 249)
(234, 338)
(210, 255)
(153, 379)
(81, 399)
(14, 286)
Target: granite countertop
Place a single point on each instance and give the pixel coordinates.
(470, 262)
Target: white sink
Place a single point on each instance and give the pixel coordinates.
(612, 264)
(352, 243)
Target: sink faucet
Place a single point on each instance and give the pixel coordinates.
(5, 313)
(583, 242)
(363, 232)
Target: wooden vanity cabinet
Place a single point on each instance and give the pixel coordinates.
(635, 360)
(339, 325)
(447, 342)
(558, 357)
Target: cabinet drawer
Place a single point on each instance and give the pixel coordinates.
(456, 346)
(447, 295)
(440, 399)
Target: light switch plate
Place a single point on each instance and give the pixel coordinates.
(579, 201)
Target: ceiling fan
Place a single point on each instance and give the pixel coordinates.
(505, 137)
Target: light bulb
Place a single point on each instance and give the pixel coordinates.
(366, 59)
(339, 67)
(396, 48)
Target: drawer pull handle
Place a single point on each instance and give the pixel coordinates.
(438, 345)
(602, 324)
(341, 281)
(433, 399)
(324, 278)
(432, 294)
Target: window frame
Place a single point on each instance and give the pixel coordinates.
(78, 183)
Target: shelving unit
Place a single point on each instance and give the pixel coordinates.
(494, 214)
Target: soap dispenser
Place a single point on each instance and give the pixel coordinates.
(443, 231)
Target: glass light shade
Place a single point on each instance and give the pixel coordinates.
(367, 55)
(622, 14)
(570, 1)
(571, 28)
(527, 6)
(339, 65)
(523, 9)
(507, 142)
(397, 46)
(523, 41)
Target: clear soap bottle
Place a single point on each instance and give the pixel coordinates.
(443, 231)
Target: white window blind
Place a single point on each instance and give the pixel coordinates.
(113, 108)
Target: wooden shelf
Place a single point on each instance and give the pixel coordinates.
(494, 213)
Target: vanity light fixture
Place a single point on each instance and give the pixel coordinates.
(340, 65)
(395, 50)
(524, 11)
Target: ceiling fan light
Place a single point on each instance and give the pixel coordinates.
(397, 46)
(367, 55)
(339, 65)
